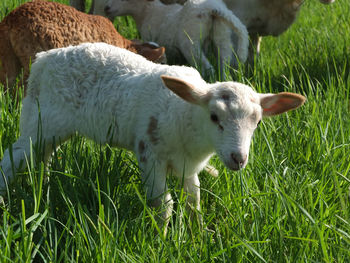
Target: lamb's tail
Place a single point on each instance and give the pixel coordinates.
(238, 27)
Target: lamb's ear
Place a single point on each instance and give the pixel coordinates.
(151, 52)
(274, 104)
(185, 90)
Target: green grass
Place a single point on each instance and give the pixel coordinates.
(290, 204)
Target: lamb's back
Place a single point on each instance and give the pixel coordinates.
(91, 72)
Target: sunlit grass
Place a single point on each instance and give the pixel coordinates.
(290, 204)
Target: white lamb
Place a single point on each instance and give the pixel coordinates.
(168, 115)
(184, 30)
(261, 17)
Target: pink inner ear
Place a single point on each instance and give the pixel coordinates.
(285, 102)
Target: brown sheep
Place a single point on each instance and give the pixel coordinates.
(38, 26)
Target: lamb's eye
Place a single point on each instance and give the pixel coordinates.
(214, 118)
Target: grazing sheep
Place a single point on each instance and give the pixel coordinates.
(38, 26)
(185, 29)
(262, 17)
(109, 95)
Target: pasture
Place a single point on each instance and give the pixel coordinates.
(290, 204)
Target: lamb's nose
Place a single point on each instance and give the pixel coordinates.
(239, 159)
(107, 9)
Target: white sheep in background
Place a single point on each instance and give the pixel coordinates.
(184, 30)
(168, 115)
(266, 17)
(261, 17)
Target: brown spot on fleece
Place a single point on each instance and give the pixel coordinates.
(152, 130)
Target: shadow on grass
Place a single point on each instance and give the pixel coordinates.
(318, 70)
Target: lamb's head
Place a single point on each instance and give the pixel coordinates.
(232, 113)
(122, 7)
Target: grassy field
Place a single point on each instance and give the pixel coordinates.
(290, 204)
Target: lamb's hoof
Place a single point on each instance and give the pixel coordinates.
(211, 170)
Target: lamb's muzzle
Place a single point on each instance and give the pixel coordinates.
(239, 160)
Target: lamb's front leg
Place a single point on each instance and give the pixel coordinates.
(193, 53)
(254, 48)
(153, 175)
(192, 188)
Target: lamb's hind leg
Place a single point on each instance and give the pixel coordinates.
(254, 48)
(38, 130)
